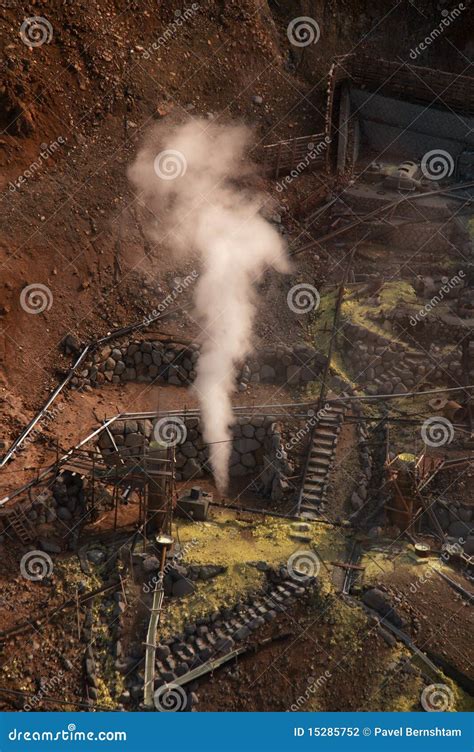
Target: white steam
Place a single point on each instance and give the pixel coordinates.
(189, 177)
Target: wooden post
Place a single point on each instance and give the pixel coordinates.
(278, 159)
(78, 616)
(116, 500)
(337, 312)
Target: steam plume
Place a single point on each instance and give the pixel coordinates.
(189, 176)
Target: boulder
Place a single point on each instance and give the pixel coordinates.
(151, 564)
(208, 571)
(134, 439)
(248, 460)
(50, 546)
(191, 469)
(244, 446)
(188, 449)
(182, 587)
(378, 601)
(293, 374)
(469, 546)
(177, 572)
(96, 556)
(117, 427)
(71, 345)
(163, 652)
(267, 373)
(241, 633)
(238, 470)
(64, 514)
(460, 529)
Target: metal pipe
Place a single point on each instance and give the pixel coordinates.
(374, 213)
(20, 439)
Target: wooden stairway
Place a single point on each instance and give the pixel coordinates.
(319, 462)
(21, 525)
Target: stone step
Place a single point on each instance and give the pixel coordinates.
(313, 493)
(318, 487)
(331, 420)
(319, 464)
(317, 498)
(310, 509)
(313, 489)
(324, 442)
(317, 472)
(314, 483)
(310, 498)
(319, 479)
(321, 452)
(324, 433)
(309, 514)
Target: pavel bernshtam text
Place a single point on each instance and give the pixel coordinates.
(409, 731)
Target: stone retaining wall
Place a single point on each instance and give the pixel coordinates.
(443, 330)
(435, 236)
(457, 521)
(382, 366)
(257, 445)
(359, 496)
(214, 636)
(148, 361)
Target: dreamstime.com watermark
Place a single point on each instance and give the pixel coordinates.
(314, 151)
(448, 550)
(448, 285)
(302, 564)
(303, 31)
(177, 290)
(303, 431)
(437, 164)
(36, 31)
(312, 688)
(71, 734)
(437, 431)
(448, 16)
(45, 687)
(181, 16)
(170, 164)
(437, 698)
(46, 151)
(170, 698)
(303, 298)
(36, 298)
(452, 549)
(170, 431)
(421, 580)
(36, 566)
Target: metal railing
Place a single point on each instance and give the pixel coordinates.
(304, 153)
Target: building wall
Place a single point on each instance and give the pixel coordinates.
(409, 130)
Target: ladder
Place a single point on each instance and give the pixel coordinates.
(22, 526)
